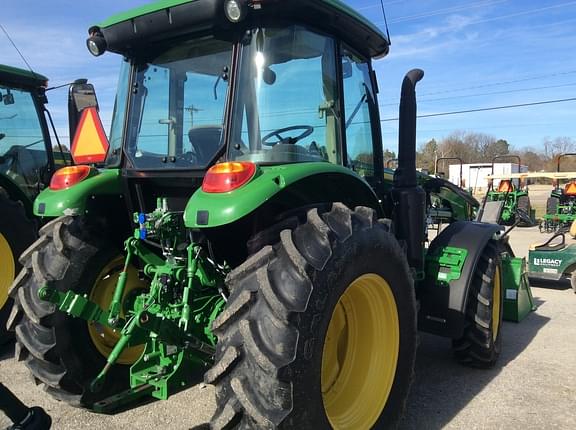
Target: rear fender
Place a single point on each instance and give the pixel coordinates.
(278, 189)
(77, 199)
(443, 305)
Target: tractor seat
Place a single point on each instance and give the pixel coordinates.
(205, 141)
(549, 245)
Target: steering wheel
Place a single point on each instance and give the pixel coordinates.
(291, 140)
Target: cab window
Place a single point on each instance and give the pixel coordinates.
(357, 100)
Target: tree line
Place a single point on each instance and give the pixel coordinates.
(482, 148)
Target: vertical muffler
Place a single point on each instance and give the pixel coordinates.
(409, 199)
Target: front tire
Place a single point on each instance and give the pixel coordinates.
(63, 352)
(482, 339)
(17, 232)
(331, 302)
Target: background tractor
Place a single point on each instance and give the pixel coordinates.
(255, 242)
(513, 196)
(27, 161)
(561, 205)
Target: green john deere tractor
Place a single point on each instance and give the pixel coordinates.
(561, 205)
(27, 162)
(241, 228)
(513, 197)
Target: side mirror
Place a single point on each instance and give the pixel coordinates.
(7, 98)
(81, 95)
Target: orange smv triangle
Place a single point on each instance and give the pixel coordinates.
(90, 143)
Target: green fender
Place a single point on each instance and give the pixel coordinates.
(74, 200)
(281, 188)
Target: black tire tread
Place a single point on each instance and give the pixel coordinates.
(42, 332)
(477, 348)
(524, 204)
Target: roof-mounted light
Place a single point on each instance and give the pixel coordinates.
(235, 10)
(96, 43)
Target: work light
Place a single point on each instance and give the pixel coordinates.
(235, 10)
(96, 44)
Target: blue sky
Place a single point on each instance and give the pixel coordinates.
(475, 54)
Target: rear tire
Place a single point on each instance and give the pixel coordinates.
(17, 232)
(552, 205)
(58, 349)
(524, 204)
(482, 339)
(277, 361)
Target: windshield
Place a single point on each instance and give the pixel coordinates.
(286, 105)
(177, 106)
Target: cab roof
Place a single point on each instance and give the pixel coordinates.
(160, 20)
(21, 78)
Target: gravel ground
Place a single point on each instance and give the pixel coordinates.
(532, 387)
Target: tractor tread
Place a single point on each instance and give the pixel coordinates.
(231, 355)
(32, 307)
(250, 403)
(227, 417)
(46, 372)
(46, 339)
(477, 348)
(245, 299)
(37, 339)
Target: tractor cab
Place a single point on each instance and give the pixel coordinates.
(26, 160)
(508, 198)
(242, 87)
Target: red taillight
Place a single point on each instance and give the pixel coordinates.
(224, 177)
(68, 176)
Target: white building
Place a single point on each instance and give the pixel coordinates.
(474, 174)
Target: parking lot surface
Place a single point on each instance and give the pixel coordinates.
(533, 385)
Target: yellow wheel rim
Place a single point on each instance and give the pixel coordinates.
(496, 294)
(8, 270)
(360, 354)
(103, 337)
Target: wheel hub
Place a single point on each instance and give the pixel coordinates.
(105, 337)
(360, 354)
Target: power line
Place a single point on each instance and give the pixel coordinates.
(518, 90)
(487, 109)
(499, 83)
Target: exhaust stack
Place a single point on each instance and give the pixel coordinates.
(405, 175)
(409, 215)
